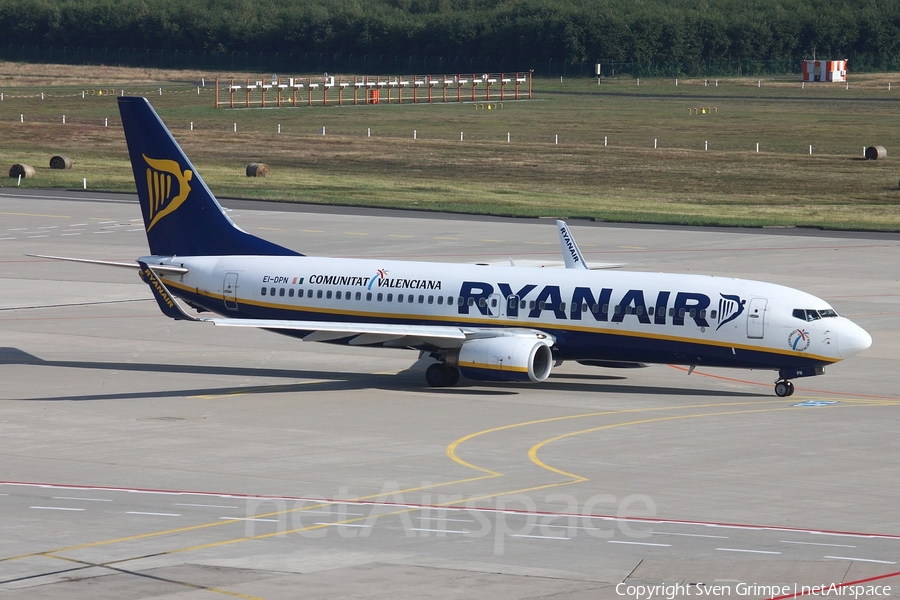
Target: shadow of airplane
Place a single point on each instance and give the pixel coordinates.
(408, 380)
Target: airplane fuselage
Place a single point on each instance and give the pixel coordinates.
(593, 315)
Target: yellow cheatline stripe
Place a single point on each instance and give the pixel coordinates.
(494, 322)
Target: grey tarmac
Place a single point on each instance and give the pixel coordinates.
(143, 457)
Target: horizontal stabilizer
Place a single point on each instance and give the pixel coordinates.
(109, 263)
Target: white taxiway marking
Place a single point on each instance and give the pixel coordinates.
(817, 544)
(247, 519)
(750, 551)
(152, 514)
(85, 499)
(54, 508)
(870, 560)
(206, 505)
(699, 535)
(343, 525)
(540, 537)
(7, 238)
(332, 512)
(437, 530)
(62, 234)
(31, 237)
(446, 519)
(638, 543)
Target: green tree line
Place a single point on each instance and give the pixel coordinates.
(519, 34)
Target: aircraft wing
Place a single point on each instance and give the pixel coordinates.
(388, 334)
(362, 334)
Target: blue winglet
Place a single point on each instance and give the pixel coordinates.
(163, 297)
(181, 215)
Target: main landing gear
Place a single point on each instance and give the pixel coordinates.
(784, 388)
(441, 375)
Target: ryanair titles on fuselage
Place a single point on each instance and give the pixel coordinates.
(667, 307)
(663, 307)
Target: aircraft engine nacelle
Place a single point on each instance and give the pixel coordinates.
(504, 358)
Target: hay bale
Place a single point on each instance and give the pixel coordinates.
(61, 161)
(257, 170)
(875, 152)
(25, 171)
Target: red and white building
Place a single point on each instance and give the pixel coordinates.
(824, 70)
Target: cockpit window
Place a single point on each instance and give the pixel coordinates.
(808, 314)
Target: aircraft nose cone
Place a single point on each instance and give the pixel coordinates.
(853, 339)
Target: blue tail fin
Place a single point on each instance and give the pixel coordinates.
(181, 215)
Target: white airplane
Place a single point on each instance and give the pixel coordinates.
(497, 323)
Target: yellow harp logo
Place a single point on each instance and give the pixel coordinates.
(165, 198)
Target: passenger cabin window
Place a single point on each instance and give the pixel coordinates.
(368, 296)
(328, 295)
(440, 299)
(263, 292)
(359, 295)
(291, 292)
(337, 296)
(319, 294)
(379, 297)
(271, 291)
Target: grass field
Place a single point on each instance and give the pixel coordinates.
(604, 165)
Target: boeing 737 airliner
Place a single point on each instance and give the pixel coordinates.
(492, 323)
